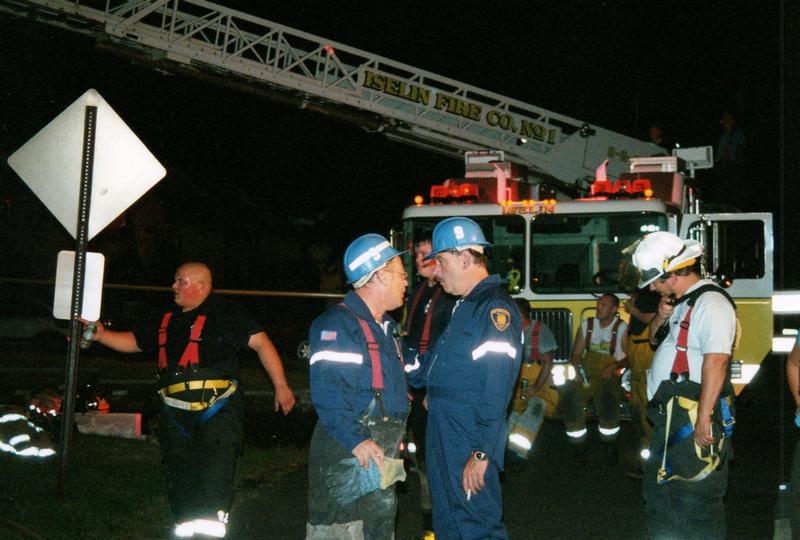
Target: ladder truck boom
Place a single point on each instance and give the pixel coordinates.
(405, 103)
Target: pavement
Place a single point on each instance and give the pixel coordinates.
(551, 497)
(548, 496)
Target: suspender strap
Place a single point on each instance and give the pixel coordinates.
(162, 341)
(374, 355)
(426, 331)
(413, 308)
(614, 332)
(535, 356)
(681, 363)
(191, 354)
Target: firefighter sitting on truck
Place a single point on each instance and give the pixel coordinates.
(534, 397)
(602, 339)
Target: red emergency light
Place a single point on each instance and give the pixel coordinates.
(621, 189)
(453, 192)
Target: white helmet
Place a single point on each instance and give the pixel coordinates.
(662, 252)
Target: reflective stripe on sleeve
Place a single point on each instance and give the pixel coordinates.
(333, 356)
(494, 346)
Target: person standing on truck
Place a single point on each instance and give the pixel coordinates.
(358, 388)
(469, 374)
(689, 389)
(201, 428)
(534, 398)
(427, 313)
(598, 352)
(641, 306)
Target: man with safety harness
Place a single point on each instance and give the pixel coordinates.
(534, 397)
(202, 417)
(469, 374)
(690, 393)
(358, 388)
(427, 313)
(598, 352)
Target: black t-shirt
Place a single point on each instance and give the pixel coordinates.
(442, 309)
(227, 328)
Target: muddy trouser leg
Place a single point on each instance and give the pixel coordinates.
(326, 517)
(573, 401)
(607, 400)
(369, 517)
(679, 509)
(644, 429)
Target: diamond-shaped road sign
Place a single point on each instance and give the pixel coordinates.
(50, 164)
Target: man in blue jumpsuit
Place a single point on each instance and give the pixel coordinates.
(358, 388)
(470, 375)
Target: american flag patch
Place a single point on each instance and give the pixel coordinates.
(327, 335)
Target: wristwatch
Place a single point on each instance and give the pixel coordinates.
(480, 456)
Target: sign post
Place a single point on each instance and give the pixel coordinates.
(82, 228)
(90, 142)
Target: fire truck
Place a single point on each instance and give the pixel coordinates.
(556, 229)
(560, 252)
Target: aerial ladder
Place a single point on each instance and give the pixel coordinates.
(402, 102)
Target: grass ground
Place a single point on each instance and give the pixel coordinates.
(115, 490)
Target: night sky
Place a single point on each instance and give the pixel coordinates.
(258, 188)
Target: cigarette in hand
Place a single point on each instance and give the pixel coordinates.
(469, 494)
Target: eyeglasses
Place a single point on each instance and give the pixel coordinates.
(405, 275)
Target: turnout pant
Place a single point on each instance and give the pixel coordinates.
(606, 393)
(200, 458)
(680, 509)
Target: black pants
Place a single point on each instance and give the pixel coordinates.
(200, 460)
(679, 509)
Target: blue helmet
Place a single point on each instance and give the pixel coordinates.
(367, 254)
(456, 232)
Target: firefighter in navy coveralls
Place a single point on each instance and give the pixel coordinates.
(428, 311)
(690, 393)
(358, 388)
(470, 375)
(202, 419)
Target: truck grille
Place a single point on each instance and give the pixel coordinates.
(560, 322)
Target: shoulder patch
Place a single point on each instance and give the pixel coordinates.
(501, 318)
(327, 335)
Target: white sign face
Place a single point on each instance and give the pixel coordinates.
(50, 164)
(92, 285)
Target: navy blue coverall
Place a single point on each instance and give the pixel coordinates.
(341, 391)
(470, 375)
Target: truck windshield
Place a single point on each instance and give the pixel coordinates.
(581, 253)
(506, 234)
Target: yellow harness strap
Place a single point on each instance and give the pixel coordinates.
(196, 385)
(712, 460)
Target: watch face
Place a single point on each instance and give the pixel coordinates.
(479, 456)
